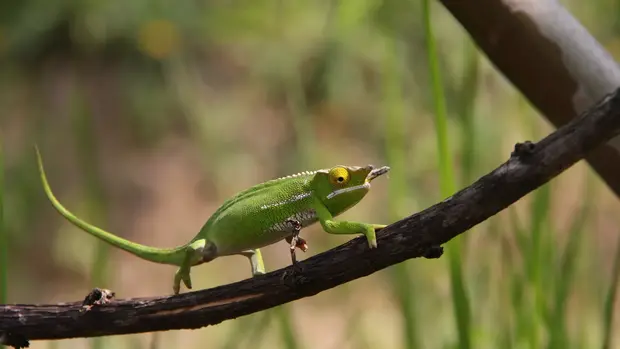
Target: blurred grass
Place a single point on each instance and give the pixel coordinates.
(249, 330)
(565, 275)
(87, 159)
(193, 102)
(396, 141)
(447, 183)
(466, 111)
(610, 299)
(4, 241)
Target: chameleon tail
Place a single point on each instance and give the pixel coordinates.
(172, 256)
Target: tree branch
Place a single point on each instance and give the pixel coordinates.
(550, 58)
(530, 166)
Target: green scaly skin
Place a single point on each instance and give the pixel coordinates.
(256, 217)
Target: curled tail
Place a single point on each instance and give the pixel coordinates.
(172, 256)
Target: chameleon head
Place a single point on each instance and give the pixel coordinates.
(342, 187)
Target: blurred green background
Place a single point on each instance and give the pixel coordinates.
(150, 113)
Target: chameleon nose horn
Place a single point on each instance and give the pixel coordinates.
(377, 172)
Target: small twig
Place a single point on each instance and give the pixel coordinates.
(13, 340)
(97, 296)
(540, 57)
(523, 150)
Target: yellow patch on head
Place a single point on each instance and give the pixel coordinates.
(159, 38)
(339, 176)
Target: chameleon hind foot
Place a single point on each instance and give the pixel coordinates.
(371, 233)
(182, 274)
(197, 252)
(256, 261)
(295, 241)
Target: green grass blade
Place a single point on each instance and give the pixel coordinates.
(507, 335)
(446, 171)
(396, 143)
(516, 281)
(4, 240)
(558, 336)
(536, 261)
(257, 335)
(304, 158)
(287, 330)
(610, 300)
(351, 336)
(155, 340)
(447, 183)
(251, 329)
(520, 234)
(539, 256)
(87, 160)
(468, 94)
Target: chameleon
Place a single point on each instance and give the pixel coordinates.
(254, 218)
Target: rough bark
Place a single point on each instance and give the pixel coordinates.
(530, 166)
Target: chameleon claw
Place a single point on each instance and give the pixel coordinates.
(378, 227)
(181, 275)
(372, 243)
(176, 285)
(187, 281)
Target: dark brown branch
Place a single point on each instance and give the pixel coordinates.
(530, 166)
(550, 58)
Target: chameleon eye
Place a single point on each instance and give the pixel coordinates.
(339, 176)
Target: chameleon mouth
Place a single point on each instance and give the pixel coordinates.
(346, 190)
(377, 172)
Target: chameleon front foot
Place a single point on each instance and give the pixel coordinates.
(371, 234)
(378, 227)
(295, 240)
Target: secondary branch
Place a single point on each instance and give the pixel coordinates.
(530, 166)
(550, 58)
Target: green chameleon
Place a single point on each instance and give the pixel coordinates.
(259, 216)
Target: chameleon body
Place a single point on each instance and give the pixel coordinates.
(259, 216)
